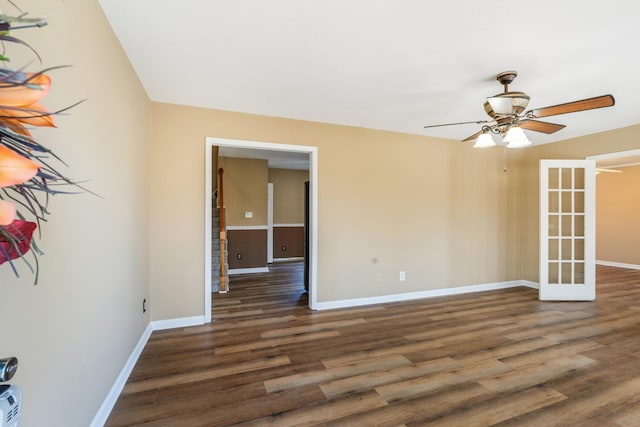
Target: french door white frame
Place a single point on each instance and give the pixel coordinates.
(567, 230)
(313, 207)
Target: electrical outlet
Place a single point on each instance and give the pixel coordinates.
(144, 305)
(284, 248)
(378, 277)
(239, 255)
(402, 276)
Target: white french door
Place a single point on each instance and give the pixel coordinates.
(567, 230)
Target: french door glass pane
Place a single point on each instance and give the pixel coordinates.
(579, 202)
(579, 273)
(553, 249)
(554, 225)
(554, 182)
(554, 205)
(553, 273)
(566, 272)
(566, 175)
(578, 225)
(578, 253)
(567, 202)
(567, 250)
(567, 227)
(578, 179)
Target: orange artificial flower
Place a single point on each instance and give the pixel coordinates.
(34, 114)
(36, 86)
(15, 126)
(14, 168)
(7, 212)
(23, 105)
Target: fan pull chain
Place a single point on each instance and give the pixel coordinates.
(504, 159)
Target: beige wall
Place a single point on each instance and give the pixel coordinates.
(437, 209)
(578, 148)
(245, 190)
(74, 331)
(617, 213)
(288, 195)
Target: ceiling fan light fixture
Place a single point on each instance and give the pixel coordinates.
(500, 105)
(516, 138)
(484, 141)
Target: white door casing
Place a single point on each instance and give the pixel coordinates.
(269, 222)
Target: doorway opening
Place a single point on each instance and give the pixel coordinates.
(312, 156)
(617, 208)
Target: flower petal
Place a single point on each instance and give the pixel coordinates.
(15, 126)
(21, 233)
(34, 88)
(34, 114)
(7, 212)
(14, 168)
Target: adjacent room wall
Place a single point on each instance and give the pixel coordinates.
(288, 195)
(437, 209)
(578, 148)
(288, 212)
(245, 190)
(617, 213)
(74, 331)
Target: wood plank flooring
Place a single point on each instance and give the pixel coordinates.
(491, 358)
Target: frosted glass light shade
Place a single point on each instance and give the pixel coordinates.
(500, 105)
(516, 138)
(484, 141)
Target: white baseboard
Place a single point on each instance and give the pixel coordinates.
(183, 322)
(156, 325)
(618, 264)
(109, 402)
(530, 284)
(233, 271)
(423, 294)
(295, 258)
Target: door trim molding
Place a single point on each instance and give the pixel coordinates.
(313, 201)
(269, 222)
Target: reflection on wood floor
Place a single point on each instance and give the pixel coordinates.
(498, 357)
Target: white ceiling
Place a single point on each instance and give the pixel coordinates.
(384, 64)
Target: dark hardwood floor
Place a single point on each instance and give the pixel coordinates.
(490, 358)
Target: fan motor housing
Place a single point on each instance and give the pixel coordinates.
(518, 103)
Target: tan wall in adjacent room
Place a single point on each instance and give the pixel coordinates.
(578, 148)
(245, 190)
(74, 331)
(442, 211)
(617, 216)
(288, 195)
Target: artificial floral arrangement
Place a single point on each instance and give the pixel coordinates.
(27, 174)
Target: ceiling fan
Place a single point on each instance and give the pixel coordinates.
(509, 118)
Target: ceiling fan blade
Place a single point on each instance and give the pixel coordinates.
(572, 107)
(538, 126)
(458, 123)
(472, 137)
